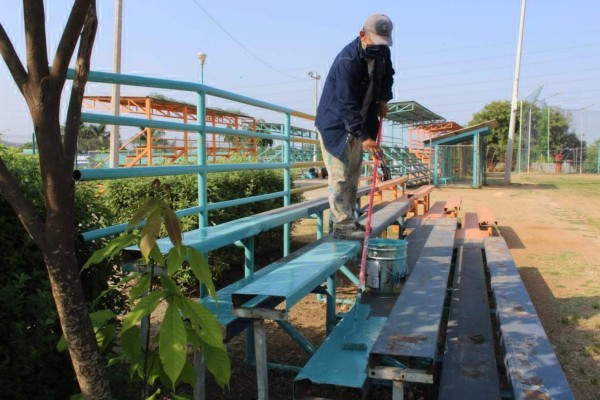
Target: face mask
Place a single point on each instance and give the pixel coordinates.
(373, 50)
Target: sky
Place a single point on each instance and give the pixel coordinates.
(453, 57)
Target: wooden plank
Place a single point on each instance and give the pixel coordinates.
(412, 329)
(486, 217)
(469, 365)
(532, 367)
(420, 192)
(453, 205)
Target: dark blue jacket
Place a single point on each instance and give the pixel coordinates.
(347, 107)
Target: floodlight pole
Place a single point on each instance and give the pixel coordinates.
(316, 76)
(515, 100)
(113, 159)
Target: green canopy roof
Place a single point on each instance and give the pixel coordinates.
(411, 113)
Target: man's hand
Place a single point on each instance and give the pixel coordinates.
(373, 148)
(383, 109)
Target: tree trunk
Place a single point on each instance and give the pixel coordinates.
(61, 261)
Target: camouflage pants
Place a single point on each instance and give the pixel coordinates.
(344, 173)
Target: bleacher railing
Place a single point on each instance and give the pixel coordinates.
(202, 169)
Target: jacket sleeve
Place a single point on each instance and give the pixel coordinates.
(348, 74)
(388, 79)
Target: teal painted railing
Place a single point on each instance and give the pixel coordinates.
(202, 169)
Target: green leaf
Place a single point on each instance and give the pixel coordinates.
(204, 322)
(78, 396)
(116, 360)
(105, 336)
(144, 307)
(188, 375)
(200, 268)
(156, 255)
(149, 233)
(175, 259)
(181, 397)
(172, 343)
(141, 286)
(173, 226)
(145, 207)
(154, 396)
(170, 286)
(101, 317)
(131, 345)
(110, 250)
(218, 363)
(62, 344)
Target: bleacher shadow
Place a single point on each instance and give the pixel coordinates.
(511, 237)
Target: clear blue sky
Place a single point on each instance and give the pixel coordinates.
(451, 56)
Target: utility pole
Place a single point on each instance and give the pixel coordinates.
(515, 100)
(113, 160)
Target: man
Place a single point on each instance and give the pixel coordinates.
(356, 92)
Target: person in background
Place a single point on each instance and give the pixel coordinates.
(355, 94)
(558, 159)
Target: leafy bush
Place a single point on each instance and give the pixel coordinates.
(29, 361)
(120, 195)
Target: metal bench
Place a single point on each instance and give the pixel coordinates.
(332, 365)
(420, 196)
(410, 335)
(299, 276)
(532, 368)
(469, 362)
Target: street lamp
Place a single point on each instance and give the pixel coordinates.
(316, 76)
(202, 60)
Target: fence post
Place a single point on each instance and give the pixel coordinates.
(287, 182)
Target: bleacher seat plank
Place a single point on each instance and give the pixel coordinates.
(532, 366)
(412, 328)
(332, 364)
(452, 206)
(469, 364)
(302, 274)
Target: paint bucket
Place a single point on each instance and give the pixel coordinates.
(386, 266)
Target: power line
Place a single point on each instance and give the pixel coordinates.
(247, 50)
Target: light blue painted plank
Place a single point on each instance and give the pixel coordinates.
(412, 329)
(531, 363)
(334, 365)
(302, 274)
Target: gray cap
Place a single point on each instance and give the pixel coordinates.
(379, 28)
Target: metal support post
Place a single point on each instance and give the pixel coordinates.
(262, 372)
(330, 321)
(200, 366)
(397, 390)
(435, 164)
(249, 271)
(287, 183)
(320, 221)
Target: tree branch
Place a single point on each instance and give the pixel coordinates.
(68, 40)
(35, 40)
(24, 208)
(82, 69)
(14, 64)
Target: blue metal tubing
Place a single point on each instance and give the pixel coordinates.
(297, 336)
(138, 172)
(143, 81)
(287, 183)
(176, 126)
(279, 367)
(116, 229)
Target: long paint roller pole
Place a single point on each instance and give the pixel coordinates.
(357, 346)
(363, 262)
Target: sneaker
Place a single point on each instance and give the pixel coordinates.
(360, 227)
(348, 232)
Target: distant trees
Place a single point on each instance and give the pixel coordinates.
(560, 135)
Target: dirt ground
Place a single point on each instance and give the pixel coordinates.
(552, 226)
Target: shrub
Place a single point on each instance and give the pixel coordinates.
(29, 361)
(120, 195)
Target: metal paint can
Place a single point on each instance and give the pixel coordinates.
(386, 266)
